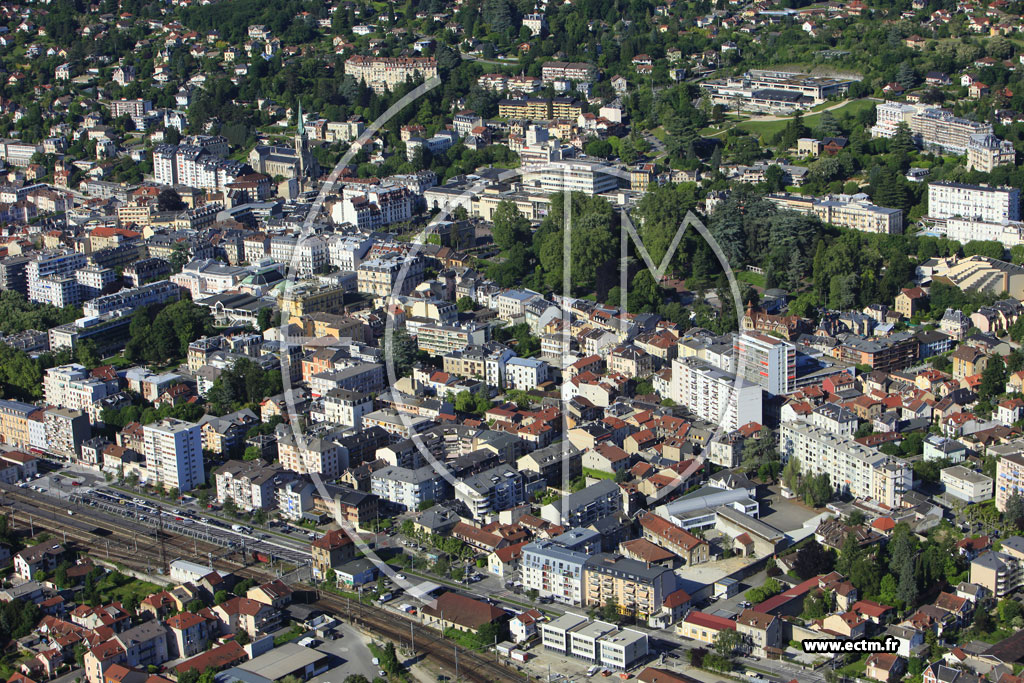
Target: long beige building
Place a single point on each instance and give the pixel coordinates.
(385, 73)
(847, 211)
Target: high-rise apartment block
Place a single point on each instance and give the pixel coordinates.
(174, 453)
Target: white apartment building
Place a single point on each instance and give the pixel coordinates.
(596, 642)
(346, 408)
(963, 230)
(1009, 474)
(861, 471)
(568, 71)
(159, 292)
(966, 484)
(438, 143)
(438, 339)
(337, 131)
(346, 252)
(511, 304)
(72, 386)
(174, 453)
(304, 255)
(573, 175)
(767, 361)
(195, 166)
(92, 280)
(55, 265)
(553, 571)
(715, 395)
(58, 291)
(835, 418)
(133, 108)
(165, 171)
(406, 488)
(932, 127)
(374, 207)
(525, 373)
(980, 202)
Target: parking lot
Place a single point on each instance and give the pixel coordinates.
(349, 656)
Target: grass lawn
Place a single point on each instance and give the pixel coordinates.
(660, 133)
(118, 361)
(752, 279)
(597, 474)
(136, 587)
(770, 128)
(855, 668)
(291, 634)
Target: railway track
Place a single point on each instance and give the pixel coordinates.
(146, 549)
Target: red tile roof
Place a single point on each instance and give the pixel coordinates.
(709, 621)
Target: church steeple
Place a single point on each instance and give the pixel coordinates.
(300, 146)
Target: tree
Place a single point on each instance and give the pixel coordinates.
(999, 47)
(389, 660)
(401, 351)
(812, 560)
(906, 591)
(1014, 510)
(983, 623)
(727, 641)
(265, 319)
(465, 304)
(993, 378)
(509, 226)
(773, 178)
(794, 130)
(60, 576)
(848, 554)
(242, 638)
(244, 382)
(827, 125)
(221, 597)
(598, 148)
(888, 593)
(902, 142)
(906, 76)
(170, 200)
(791, 474)
(87, 354)
(610, 611)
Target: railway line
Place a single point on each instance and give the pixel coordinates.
(142, 548)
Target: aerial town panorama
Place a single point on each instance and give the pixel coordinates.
(487, 341)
